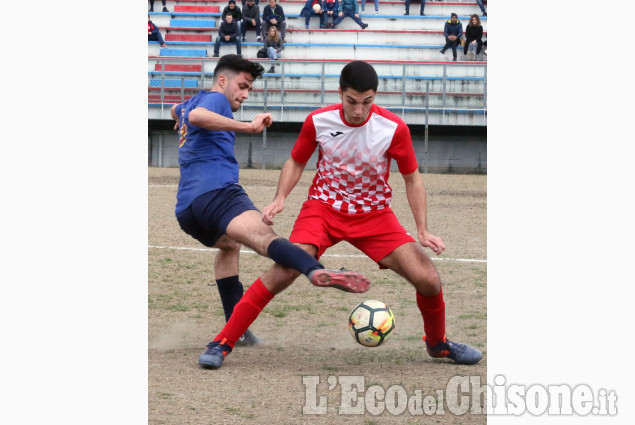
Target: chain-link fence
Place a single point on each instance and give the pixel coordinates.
(434, 94)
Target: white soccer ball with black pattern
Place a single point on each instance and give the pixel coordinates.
(371, 322)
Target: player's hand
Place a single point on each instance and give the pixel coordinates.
(260, 122)
(433, 242)
(271, 211)
(341, 14)
(356, 15)
(176, 126)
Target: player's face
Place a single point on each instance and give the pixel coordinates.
(356, 105)
(237, 88)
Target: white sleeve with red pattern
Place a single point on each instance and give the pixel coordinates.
(306, 143)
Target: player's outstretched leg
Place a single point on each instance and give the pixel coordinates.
(460, 353)
(245, 312)
(346, 280)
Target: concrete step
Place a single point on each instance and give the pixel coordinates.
(442, 8)
(367, 36)
(195, 9)
(314, 51)
(380, 22)
(207, 38)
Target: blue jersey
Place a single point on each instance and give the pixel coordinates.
(206, 157)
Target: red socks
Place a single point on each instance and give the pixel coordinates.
(433, 313)
(245, 312)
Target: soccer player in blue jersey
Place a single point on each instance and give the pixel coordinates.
(214, 209)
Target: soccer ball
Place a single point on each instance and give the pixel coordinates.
(371, 322)
(316, 8)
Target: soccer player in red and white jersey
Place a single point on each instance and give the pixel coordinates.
(349, 200)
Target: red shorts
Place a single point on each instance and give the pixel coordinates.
(376, 233)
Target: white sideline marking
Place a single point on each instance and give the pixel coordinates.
(248, 251)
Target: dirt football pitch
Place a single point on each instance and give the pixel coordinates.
(305, 328)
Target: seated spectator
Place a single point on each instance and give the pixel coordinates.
(473, 37)
(165, 9)
(308, 11)
(154, 34)
(349, 8)
(480, 4)
(228, 32)
(233, 10)
(251, 19)
(274, 46)
(453, 31)
(330, 11)
(273, 14)
(376, 5)
(423, 5)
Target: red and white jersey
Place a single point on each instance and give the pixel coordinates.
(354, 160)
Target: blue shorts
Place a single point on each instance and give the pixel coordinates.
(207, 218)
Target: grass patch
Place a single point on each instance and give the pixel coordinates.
(178, 307)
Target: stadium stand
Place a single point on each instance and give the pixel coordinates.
(414, 75)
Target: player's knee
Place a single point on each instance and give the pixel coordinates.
(228, 245)
(428, 281)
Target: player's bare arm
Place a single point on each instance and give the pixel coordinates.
(289, 177)
(416, 193)
(209, 120)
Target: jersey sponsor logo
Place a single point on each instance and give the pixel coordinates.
(337, 133)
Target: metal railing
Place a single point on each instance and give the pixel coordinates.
(420, 93)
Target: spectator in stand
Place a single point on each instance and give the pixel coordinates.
(330, 11)
(453, 31)
(274, 46)
(308, 11)
(349, 8)
(273, 14)
(473, 37)
(228, 32)
(423, 5)
(233, 10)
(251, 19)
(154, 34)
(165, 9)
(480, 4)
(376, 6)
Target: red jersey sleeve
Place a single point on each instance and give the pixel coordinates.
(402, 151)
(306, 143)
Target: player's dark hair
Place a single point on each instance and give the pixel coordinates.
(237, 64)
(359, 76)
